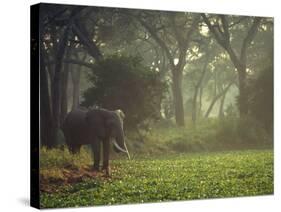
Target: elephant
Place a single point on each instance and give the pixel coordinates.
(95, 126)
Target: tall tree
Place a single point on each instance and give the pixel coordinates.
(46, 124)
(56, 92)
(176, 51)
(47, 18)
(196, 90)
(220, 28)
(76, 75)
(64, 88)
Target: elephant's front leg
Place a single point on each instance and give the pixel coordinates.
(96, 151)
(106, 157)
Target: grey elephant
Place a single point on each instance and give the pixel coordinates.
(95, 126)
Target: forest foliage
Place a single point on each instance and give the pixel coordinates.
(154, 65)
(124, 82)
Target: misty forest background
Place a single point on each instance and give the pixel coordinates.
(187, 83)
(174, 70)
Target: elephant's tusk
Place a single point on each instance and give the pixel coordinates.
(129, 157)
(118, 147)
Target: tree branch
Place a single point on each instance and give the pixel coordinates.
(225, 28)
(155, 36)
(237, 22)
(249, 38)
(222, 40)
(212, 29)
(84, 37)
(217, 97)
(178, 36)
(192, 28)
(204, 71)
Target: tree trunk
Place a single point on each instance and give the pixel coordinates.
(46, 128)
(50, 76)
(194, 105)
(200, 100)
(243, 95)
(221, 111)
(56, 96)
(197, 87)
(211, 107)
(178, 99)
(217, 98)
(64, 86)
(76, 88)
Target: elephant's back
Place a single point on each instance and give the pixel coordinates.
(74, 123)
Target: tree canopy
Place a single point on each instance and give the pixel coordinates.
(151, 64)
(120, 82)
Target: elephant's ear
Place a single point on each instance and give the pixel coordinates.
(110, 123)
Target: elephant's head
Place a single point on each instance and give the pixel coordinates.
(117, 133)
(109, 124)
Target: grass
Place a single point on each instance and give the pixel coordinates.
(207, 136)
(159, 178)
(217, 158)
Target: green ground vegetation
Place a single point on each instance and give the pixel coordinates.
(214, 159)
(160, 178)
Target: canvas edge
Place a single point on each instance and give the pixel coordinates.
(34, 106)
